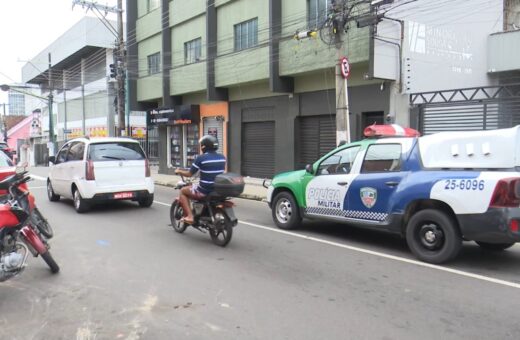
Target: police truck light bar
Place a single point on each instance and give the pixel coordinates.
(391, 130)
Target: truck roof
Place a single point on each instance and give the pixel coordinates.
(492, 149)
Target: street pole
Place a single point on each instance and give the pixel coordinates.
(51, 123)
(342, 109)
(120, 66)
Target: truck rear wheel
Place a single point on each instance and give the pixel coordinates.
(433, 236)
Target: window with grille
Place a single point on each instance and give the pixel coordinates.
(318, 10)
(246, 34)
(192, 51)
(154, 63)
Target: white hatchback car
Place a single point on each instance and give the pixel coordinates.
(91, 170)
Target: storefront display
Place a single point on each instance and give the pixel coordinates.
(182, 125)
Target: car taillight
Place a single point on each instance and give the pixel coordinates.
(89, 171)
(146, 168)
(513, 225)
(506, 194)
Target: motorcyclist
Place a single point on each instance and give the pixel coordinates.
(210, 164)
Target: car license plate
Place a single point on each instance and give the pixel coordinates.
(121, 195)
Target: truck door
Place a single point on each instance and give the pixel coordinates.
(371, 193)
(326, 194)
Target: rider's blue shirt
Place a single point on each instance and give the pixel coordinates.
(210, 164)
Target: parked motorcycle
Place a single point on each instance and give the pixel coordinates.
(18, 236)
(215, 212)
(20, 195)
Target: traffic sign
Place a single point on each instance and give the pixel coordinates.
(345, 67)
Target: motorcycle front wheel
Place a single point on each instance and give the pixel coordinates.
(47, 257)
(176, 213)
(221, 233)
(41, 223)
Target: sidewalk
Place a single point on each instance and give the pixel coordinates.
(253, 189)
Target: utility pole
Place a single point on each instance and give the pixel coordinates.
(121, 71)
(342, 109)
(119, 52)
(51, 122)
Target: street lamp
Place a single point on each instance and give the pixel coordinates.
(5, 87)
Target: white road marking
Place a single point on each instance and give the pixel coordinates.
(376, 253)
(390, 257)
(40, 178)
(42, 187)
(161, 203)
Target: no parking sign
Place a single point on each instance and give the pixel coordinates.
(345, 67)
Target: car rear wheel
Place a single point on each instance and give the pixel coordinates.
(495, 246)
(50, 193)
(146, 202)
(433, 236)
(80, 204)
(285, 211)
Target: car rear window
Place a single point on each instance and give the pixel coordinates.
(115, 151)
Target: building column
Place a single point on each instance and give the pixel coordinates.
(213, 93)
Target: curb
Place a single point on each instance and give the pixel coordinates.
(244, 196)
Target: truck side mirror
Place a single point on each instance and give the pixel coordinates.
(309, 169)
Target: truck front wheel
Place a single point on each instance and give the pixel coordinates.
(433, 236)
(286, 213)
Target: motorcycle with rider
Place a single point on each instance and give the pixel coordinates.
(207, 205)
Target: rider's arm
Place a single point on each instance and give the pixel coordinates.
(193, 169)
(185, 173)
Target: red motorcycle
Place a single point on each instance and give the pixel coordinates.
(19, 236)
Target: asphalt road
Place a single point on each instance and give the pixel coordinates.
(125, 274)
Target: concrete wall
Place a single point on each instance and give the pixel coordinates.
(192, 77)
(298, 57)
(181, 11)
(247, 65)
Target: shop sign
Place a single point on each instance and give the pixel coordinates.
(138, 132)
(177, 115)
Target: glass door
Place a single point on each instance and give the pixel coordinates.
(192, 143)
(176, 149)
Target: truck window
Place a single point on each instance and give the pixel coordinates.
(382, 158)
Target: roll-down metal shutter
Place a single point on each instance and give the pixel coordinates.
(317, 137)
(258, 149)
(214, 123)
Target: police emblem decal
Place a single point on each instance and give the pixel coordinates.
(368, 196)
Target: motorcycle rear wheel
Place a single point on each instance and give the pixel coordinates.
(41, 223)
(47, 257)
(221, 234)
(176, 213)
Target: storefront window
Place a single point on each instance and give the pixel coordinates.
(184, 145)
(176, 146)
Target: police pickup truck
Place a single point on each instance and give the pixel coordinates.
(434, 190)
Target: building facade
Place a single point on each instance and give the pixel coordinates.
(83, 93)
(232, 68)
